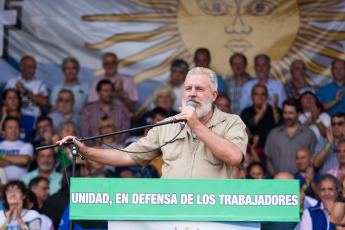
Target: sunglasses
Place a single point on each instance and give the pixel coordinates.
(105, 126)
(110, 63)
(64, 100)
(340, 123)
(16, 191)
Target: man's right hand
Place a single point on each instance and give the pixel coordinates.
(339, 95)
(82, 147)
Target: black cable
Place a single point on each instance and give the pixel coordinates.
(144, 151)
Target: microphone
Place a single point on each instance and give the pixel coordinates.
(189, 103)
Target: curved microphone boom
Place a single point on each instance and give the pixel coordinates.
(191, 104)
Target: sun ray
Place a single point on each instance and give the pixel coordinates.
(317, 48)
(147, 36)
(329, 35)
(316, 4)
(152, 51)
(166, 17)
(322, 17)
(163, 67)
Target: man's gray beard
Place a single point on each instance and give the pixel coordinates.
(204, 108)
(46, 169)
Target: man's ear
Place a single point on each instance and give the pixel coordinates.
(214, 95)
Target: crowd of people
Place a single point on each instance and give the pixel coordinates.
(263, 130)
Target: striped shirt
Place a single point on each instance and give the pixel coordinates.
(92, 113)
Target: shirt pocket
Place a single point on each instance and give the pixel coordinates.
(173, 150)
(211, 158)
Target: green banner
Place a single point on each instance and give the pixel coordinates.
(184, 199)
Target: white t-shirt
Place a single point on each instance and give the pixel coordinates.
(31, 218)
(19, 147)
(323, 117)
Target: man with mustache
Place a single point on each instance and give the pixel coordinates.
(283, 141)
(210, 145)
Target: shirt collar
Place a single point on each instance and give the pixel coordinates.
(20, 78)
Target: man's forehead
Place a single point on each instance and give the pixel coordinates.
(338, 119)
(198, 76)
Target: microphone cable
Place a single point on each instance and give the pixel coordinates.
(122, 150)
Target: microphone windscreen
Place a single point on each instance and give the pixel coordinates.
(190, 103)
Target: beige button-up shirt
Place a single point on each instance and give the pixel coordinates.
(188, 157)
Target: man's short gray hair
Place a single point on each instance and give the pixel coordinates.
(69, 59)
(265, 56)
(297, 61)
(209, 72)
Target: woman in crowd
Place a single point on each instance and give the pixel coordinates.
(313, 114)
(108, 125)
(11, 107)
(64, 155)
(162, 97)
(256, 170)
(15, 215)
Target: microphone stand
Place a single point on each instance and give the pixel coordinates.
(75, 149)
(70, 142)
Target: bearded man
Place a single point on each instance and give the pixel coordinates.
(211, 144)
(45, 161)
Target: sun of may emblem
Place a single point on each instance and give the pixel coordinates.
(285, 30)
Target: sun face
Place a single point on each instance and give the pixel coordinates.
(248, 27)
(285, 30)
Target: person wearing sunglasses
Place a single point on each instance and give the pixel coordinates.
(325, 155)
(64, 109)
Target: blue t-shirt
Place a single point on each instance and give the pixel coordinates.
(27, 123)
(309, 191)
(327, 93)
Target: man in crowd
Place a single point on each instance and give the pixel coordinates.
(16, 155)
(283, 141)
(124, 87)
(178, 71)
(33, 90)
(40, 187)
(80, 89)
(202, 58)
(210, 145)
(45, 161)
(339, 171)
(298, 81)
(332, 94)
(318, 217)
(261, 117)
(64, 109)
(223, 103)
(238, 64)
(44, 131)
(325, 156)
(106, 106)
(308, 179)
(262, 65)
